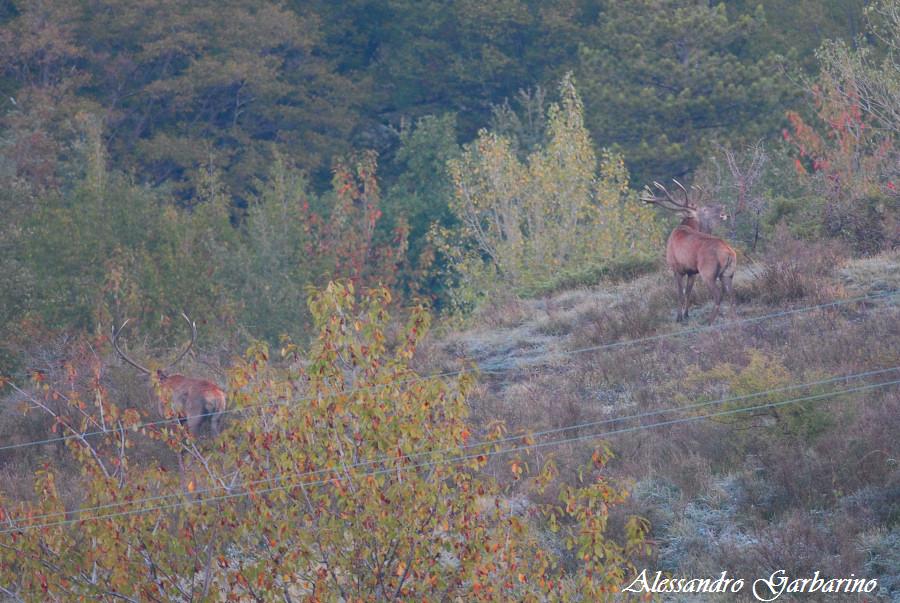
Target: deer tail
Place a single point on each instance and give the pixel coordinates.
(728, 266)
(746, 255)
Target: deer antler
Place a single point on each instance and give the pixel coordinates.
(115, 342)
(143, 369)
(193, 326)
(687, 195)
(693, 200)
(668, 201)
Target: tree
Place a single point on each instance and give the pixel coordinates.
(42, 65)
(277, 258)
(291, 240)
(868, 72)
(740, 184)
(349, 236)
(430, 58)
(347, 476)
(180, 81)
(106, 248)
(666, 76)
(524, 223)
(422, 195)
(442, 57)
(845, 152)
(795, 28)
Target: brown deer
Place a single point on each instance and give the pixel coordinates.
(692, 250)
(197, 400)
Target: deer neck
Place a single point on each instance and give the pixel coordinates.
(165, 379)
(691, 222)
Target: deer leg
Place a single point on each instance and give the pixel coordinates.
(195, 419)
(687, 293)
(215, 425)
(215, 418)
(728, 285)
(679, 284)
(716, 294)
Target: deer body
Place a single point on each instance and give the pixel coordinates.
(692, 250)
(197, 401)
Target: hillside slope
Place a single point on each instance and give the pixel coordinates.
(800, 486)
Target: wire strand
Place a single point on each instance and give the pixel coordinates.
(537, 434)
(446, 374)
(455, 460)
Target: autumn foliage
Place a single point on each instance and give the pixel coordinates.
(525, 222)
(845, 157)
(343, 475)
(847, 152)
(349, 234)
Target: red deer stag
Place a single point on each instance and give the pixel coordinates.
(196, 399)
(692, 250)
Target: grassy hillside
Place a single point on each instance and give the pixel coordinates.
(806, 486)
(792, 471)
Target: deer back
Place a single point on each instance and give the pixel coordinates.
(690, 251)
(197, 399)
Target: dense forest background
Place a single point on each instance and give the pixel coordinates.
(220, 157)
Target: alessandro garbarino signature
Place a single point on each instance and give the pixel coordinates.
(763, 589)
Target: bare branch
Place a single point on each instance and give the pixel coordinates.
(75, 433)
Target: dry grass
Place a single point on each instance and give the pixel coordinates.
(739, 494)
(800, 487)
(876, 273)
(798, 270)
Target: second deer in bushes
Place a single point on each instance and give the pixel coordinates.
(692, 250)
(198, 401)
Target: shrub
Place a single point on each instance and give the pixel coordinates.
(801, 421)
(795, 269)
(523, 224)
(342, 478)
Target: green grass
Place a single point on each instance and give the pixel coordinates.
(623, 268)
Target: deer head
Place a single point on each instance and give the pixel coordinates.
(693, 212)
